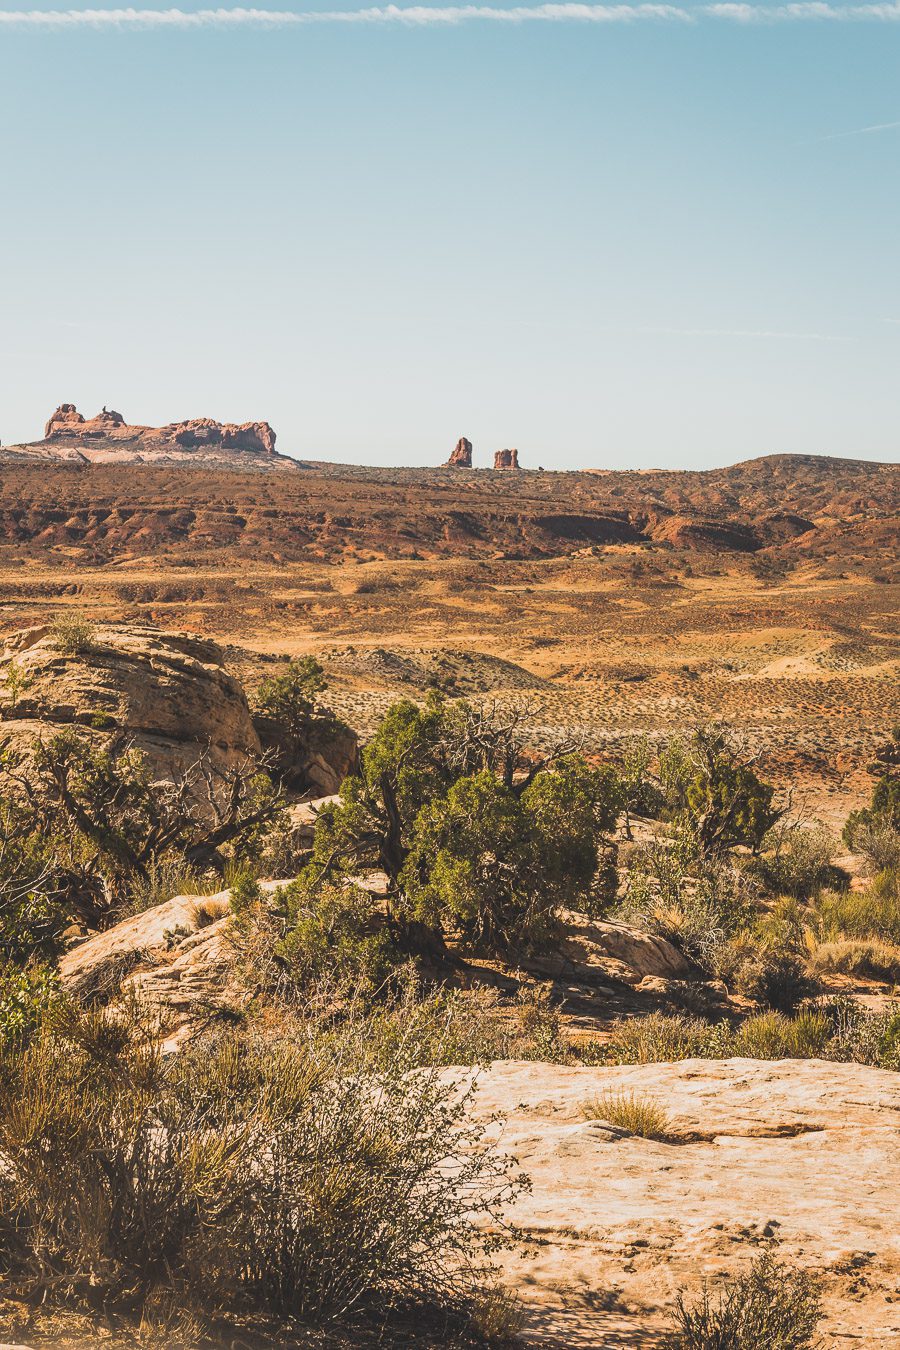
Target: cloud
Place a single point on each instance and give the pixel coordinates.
(862, 131)
(448, 15)
(743, 333)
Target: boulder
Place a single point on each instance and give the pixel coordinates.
(461, 455)
(506, 459)
(169, 692)
(175, 959)
(618, 950)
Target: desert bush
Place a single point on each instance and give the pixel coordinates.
(105, 825)
(73, 634)
(797, 860)
(657, 1039)
(774, 1036)
(879, 844)
(776, 978)
(639, 1115)
(334, 930)
(698, 904)
(882, 815)
(27, 994)
(165, 878)
(712, 788)
(477, 836)
(291, 697)
(772, 1305)
(837, 1029)
(864, 958)
(248, 1175)
(16, 681)
(33, 907)
(872, 913)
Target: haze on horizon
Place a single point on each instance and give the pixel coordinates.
(661, 239)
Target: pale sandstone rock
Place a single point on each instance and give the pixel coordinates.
(168, 691)
(806, 1153)
(175, 959)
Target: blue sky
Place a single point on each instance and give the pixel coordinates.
(663, 235)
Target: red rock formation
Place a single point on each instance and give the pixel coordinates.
(506, 459)
(66, 416)
(461, 458)
(204, 431)
(67, 424)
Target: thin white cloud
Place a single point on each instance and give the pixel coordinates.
(815, 10)
(446, 15)
(743, 333)
(862, 131)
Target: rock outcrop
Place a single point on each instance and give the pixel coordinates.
(801, 1153)
(67, 424)
(506, 459)
(168, 692)
(109, 439)
(319, 763)
(461, 456)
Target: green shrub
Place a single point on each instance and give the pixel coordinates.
(800, 860)
(872, 913)
(775, 978)
(772, 1307)
(862, 958)
(27, 994)
(291, 698)
(249, 1176)
(657, 1039)
(773, 1036)
(334, 930)
(836, 1029)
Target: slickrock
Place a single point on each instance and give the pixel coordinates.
(506, 459)
(175, 959)
(168, 692)
(800, 1153)
(461, 456)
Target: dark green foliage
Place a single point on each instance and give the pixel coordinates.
(332, 932)
(717, 793)
(773, 1307)
(477, 836)
(883, 811)
(291, 698)
(495, 865)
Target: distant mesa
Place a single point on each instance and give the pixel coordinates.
(461, 458)
(506, 459)
(68, 424)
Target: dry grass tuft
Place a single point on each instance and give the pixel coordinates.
(638, 1115)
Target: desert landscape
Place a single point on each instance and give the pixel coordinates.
(689, 1066)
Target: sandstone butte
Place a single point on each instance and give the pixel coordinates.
(68, 424)
(506, 459)
(461, 455)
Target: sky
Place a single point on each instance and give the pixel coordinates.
(611, 236)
